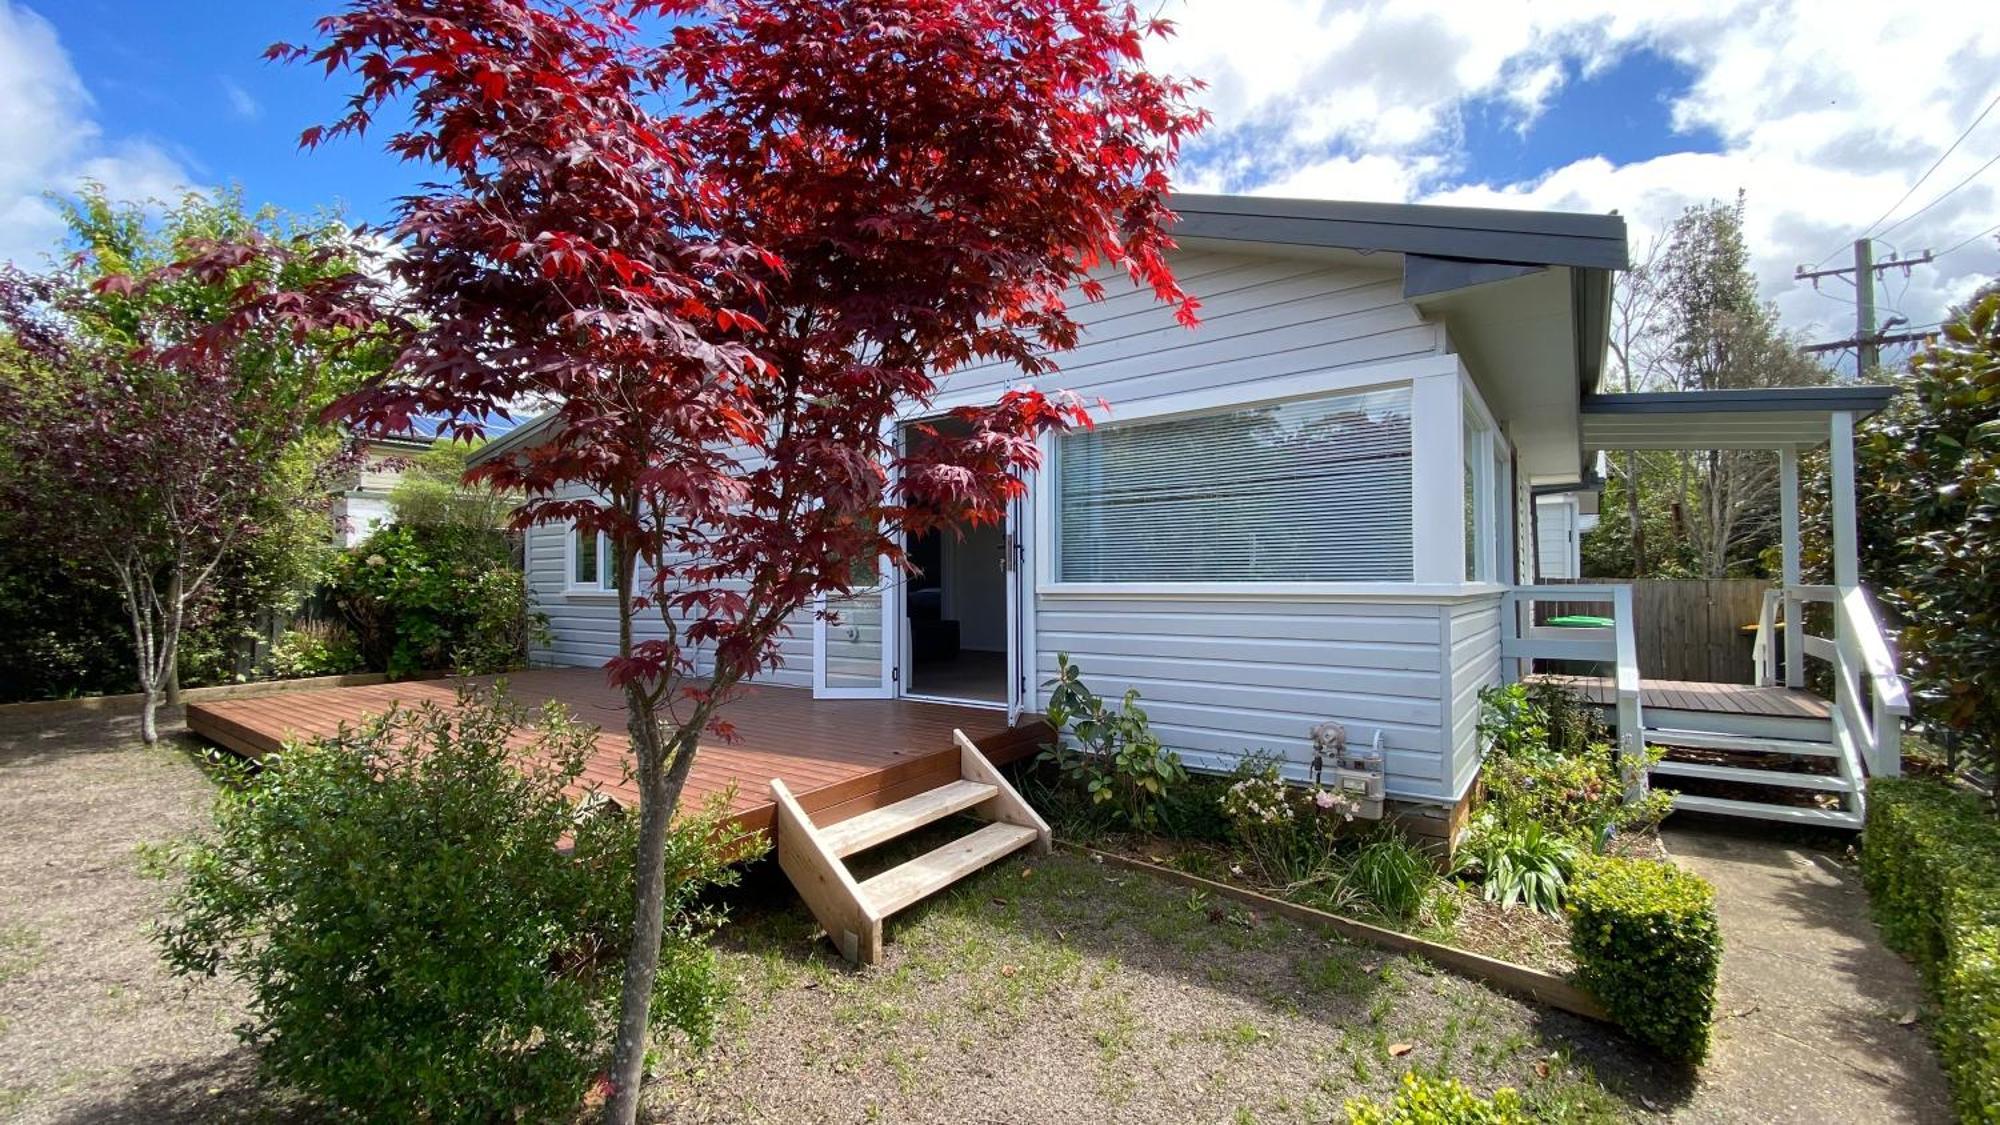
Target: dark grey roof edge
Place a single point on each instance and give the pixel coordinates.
(517, 438)
(1563, 238)
(1855, 398)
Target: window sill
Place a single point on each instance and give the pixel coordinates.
(1278, 591)
(589, 594)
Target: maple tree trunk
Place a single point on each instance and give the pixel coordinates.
(659, 794)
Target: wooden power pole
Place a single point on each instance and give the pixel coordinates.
(1867, 341)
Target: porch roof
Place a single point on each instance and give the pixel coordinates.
(1756, 418)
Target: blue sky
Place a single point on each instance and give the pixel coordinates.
(1590, 105)
(191, 77)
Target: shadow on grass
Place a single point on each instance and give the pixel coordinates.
(220, 1088)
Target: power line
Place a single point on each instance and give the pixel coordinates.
(1995, 229)
(1935, 164)
(1940, 199)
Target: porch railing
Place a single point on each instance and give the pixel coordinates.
(1869, 695)
(1522, 642)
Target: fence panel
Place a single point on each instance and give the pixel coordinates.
(1687, 629)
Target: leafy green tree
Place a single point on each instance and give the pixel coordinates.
(1930, 504)
(115, 338)
(433, 491)
(1690, 320)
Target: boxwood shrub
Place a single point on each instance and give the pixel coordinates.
(1931, 860)
(1647, 945)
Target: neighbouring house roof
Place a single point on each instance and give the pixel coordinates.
(1750, 418)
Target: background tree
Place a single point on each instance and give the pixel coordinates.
(66, 609)
(733, 303)
(433, 492)
(1690, 320)
(129, 440)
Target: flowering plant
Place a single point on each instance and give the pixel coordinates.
(1288, 831)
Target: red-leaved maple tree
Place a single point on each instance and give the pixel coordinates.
(732, 255)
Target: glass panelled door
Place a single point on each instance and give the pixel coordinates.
(854, 649)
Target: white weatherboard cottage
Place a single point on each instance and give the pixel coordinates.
(1312, 507)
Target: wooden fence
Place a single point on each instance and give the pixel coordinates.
(1687, 630)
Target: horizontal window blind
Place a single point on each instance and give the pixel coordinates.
(1312, 490)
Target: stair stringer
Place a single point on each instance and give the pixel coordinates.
(829, 888)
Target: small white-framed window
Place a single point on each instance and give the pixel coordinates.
(1482, 512)
(1304, 490)
(589, 564)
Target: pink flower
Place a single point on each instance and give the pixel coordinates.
(1325, 799)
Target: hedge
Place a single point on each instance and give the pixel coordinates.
(1421, 1100)
(1931, 861)
(1647, 945)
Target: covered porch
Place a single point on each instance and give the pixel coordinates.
(1777, 735)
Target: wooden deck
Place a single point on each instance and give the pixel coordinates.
(1692, 695)
(839, 757)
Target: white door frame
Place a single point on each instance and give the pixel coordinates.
(888, 589)
(887, 687)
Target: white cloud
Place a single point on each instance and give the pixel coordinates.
(1827, 112)
(53, 142)
(240, 101)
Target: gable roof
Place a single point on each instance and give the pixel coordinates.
(1485, 234)
(1444, 249)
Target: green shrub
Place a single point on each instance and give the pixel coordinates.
(1519, 863)
(1931, 860)
(1112, 757)
(1391, 875)
(315, 648)
(1547, 765)
(1647, 945)
(1422, 1100)
(425, 597)
(428, 925)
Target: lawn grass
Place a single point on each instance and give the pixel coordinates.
(1053, 988)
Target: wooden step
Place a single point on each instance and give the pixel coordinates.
(1705, 740)
(900, 886)
(1832, 818)
(1788, 778)
(860, 833)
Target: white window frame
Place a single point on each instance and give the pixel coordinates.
(606, 585)
(1490, 457)
(1436, 383)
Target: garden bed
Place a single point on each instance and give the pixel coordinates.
(1558, 836)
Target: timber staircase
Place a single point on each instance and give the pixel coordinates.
(852, 911)
(1780, 752)
(1793, 771)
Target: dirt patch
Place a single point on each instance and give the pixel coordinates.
(92, 1028)
(1056, 989)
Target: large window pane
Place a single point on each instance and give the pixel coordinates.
(1314, 490)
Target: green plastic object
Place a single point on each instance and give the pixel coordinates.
(1581, 621)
